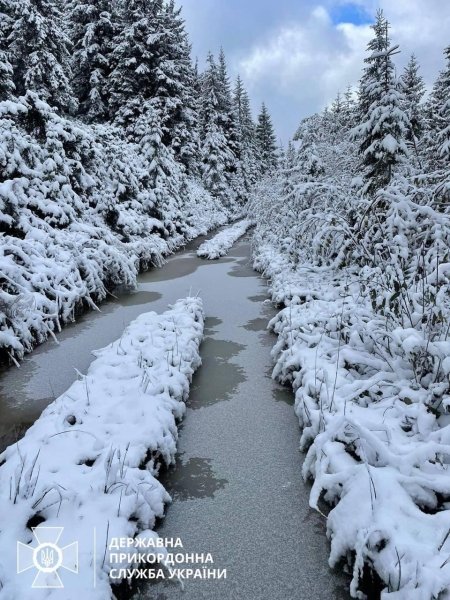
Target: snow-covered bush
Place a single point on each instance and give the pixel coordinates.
(374, 427)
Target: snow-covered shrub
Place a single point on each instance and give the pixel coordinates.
(375, 433)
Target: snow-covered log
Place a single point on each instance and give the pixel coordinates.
(90, 463)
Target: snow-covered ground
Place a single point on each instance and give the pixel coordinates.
(90, 462)
(375, 450)
(221, 243)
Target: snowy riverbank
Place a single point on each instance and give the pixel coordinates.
(82, 210)
(220, 244)
(375, 450)
(90, 462)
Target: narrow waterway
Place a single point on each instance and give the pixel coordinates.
(237, 488)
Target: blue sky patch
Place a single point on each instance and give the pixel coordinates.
(351, 13)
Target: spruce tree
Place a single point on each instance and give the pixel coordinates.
(308, 165)
(174, 86)
(438, 117)
(288, 168)
(153, 68)
(226, 114)
(132, 79)
(7, 86)
(161, 176)
(384, 123)
(243, 118)
(93, 27)
(216, 155)
(246, 141)
(413, 91)
(266, 141)
(40, 53)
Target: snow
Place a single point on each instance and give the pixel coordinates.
(374, 450)
(91, 460)
(221, 243)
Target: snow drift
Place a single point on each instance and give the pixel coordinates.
(91, 460)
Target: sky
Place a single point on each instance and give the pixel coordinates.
(295, 55)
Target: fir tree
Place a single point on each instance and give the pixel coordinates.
(266, 141)
(243, 118)
(39, 53)
(308, 165)
(174, 86)
(161, 176)
(7, 86)
(153, 67)
(384, 125)
(226, 115)
(288, 166)
(132, 79)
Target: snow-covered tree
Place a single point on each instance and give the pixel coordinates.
(309, 164)
(93, 27)
(384, 123)
(39, 52)
(132, 79)
(7, 86)
(246, 136)
(174, 86)
(266, 141)
(226, 114)
(153, 65)
(438, 117)
(413, 91)
(161, 176)
(216, 155)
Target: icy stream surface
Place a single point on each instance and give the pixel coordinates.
(237, 488)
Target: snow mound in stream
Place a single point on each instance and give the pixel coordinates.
(91, 460)
(221, 243)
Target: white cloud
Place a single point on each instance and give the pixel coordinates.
(300, 67)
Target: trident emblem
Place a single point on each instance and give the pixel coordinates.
(47, 557)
